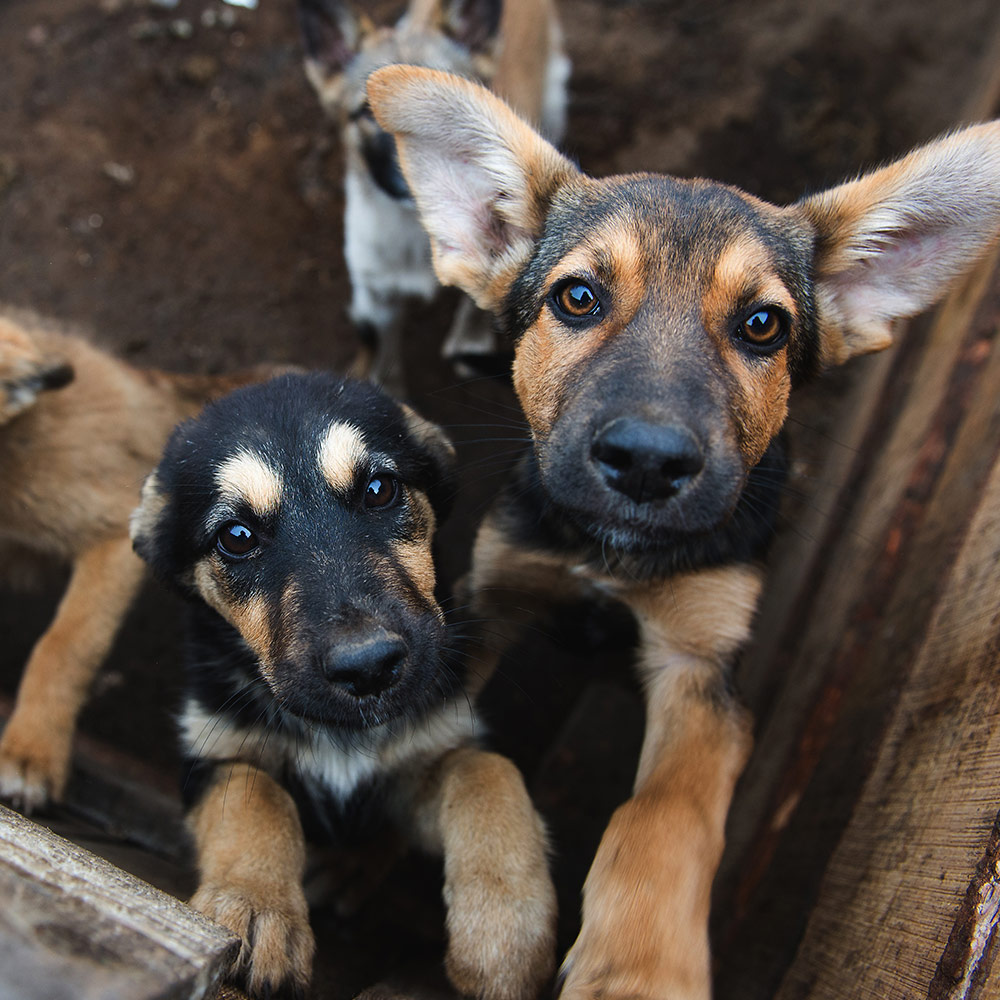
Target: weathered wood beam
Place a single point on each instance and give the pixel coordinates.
(854, 608)
(74, 926)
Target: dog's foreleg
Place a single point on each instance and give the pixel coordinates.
(471, 339)
(251, 858)
(647, 896)
(500, 898)
(379, 356)
(37, 741)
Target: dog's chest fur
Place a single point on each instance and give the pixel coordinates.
(345, 782)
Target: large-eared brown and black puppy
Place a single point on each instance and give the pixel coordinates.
(298, 517)
(659, 326)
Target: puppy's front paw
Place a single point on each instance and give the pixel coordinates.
(645, 909)
(501, 936)
(597, 976)
(34, 765)
(277, 943)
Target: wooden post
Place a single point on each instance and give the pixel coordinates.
(864, 844)
(73, 926)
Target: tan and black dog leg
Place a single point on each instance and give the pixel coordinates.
(647, 896)
(251, 858)
(37, 742)
(501, 903)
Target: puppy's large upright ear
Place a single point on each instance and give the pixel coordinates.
(440, 459)
(482, 178)
(891, 242)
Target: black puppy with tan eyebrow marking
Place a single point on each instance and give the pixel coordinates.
(659, 326)
(298, 517)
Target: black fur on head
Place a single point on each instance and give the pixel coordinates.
(301, 511)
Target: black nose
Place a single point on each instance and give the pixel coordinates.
(365, 665)
(646, 461)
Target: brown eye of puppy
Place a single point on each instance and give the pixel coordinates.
(577, 299)
(236, 540)
(381, 491)
(763, 328)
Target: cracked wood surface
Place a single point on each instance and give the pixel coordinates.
(75, 926)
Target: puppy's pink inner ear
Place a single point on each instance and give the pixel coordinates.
(481, 177)
(893, 241)
(475, 203)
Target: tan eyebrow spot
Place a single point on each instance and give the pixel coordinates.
(340, 453)
(247, 477)
(745, 268)
(614, 252)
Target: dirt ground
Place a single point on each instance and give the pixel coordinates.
(169, 184)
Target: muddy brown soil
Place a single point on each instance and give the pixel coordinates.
(169, 185)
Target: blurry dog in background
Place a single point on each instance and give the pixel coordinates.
(515, 47)
(660, 325)
(79, 431)
(323, 702)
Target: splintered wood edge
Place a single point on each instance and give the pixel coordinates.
(64, 869)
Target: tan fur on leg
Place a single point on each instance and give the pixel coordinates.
(647, 897)
(36, 745)
(251, 856)
(500, 898)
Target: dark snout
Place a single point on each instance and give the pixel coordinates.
(646, 461)
(365, 663)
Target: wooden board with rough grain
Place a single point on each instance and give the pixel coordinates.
(910, 902)
(74, 926)
(843, 633)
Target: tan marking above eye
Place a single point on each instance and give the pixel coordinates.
(341, 452)
(247, 477)
(609, 262)
(745, 272)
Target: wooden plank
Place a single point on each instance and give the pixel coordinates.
(865, 633)
(847, 609)
(910, 902)
(74, 926)
(852, 440)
